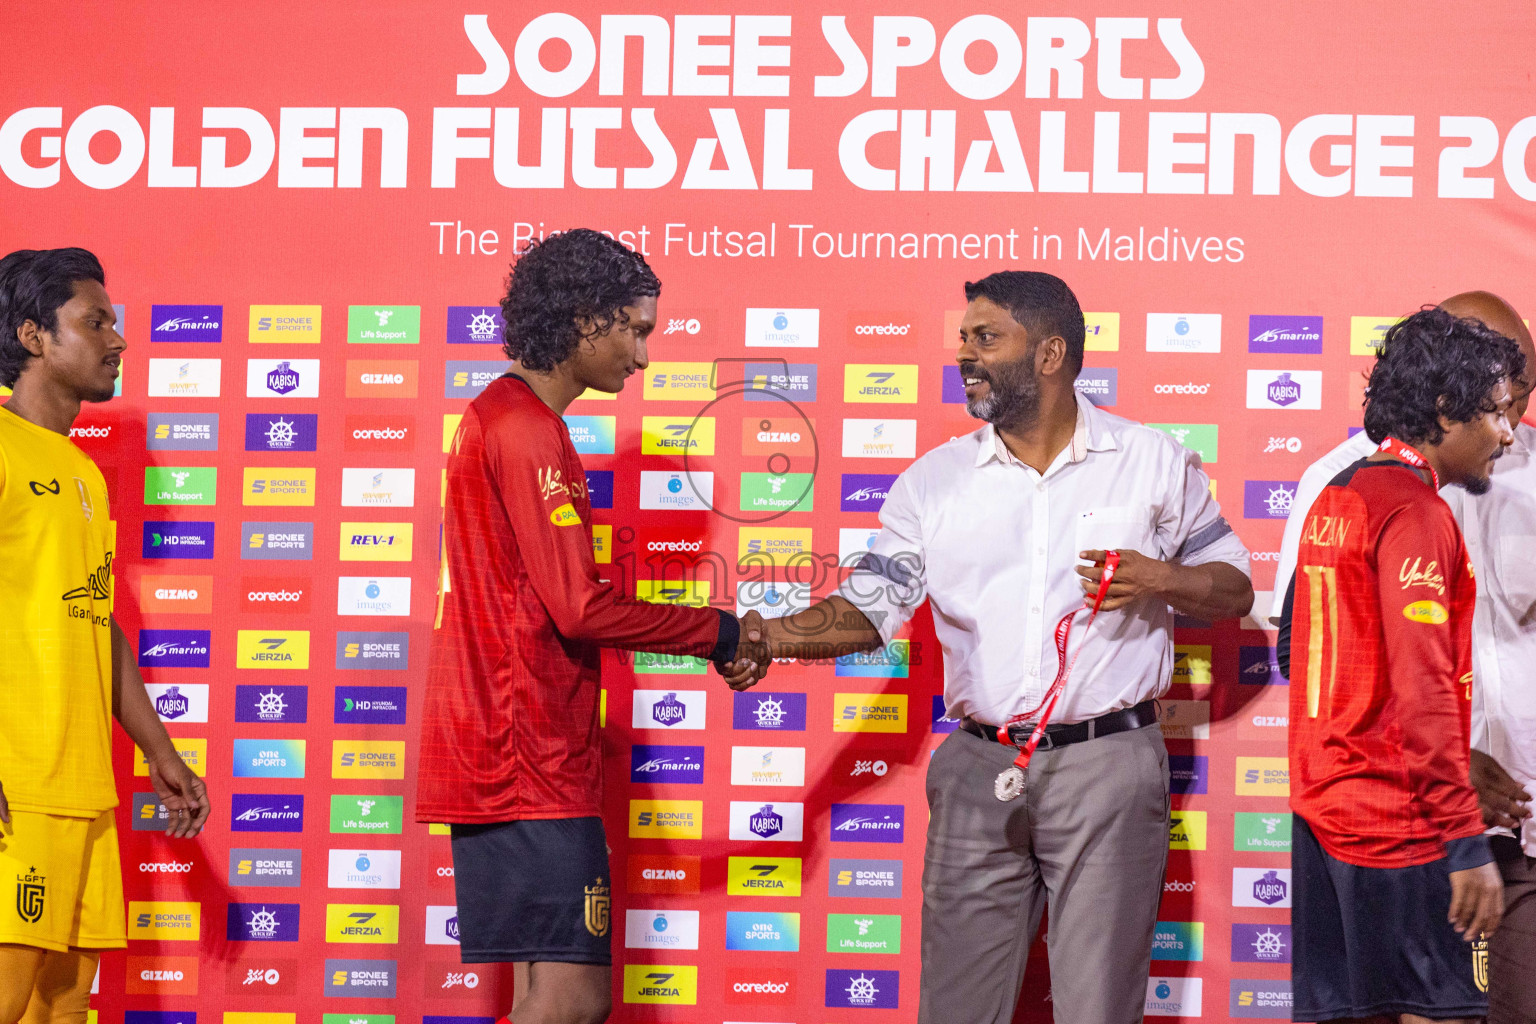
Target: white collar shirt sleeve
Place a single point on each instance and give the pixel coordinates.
(992, 546)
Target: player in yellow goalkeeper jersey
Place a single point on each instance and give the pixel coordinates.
(65, 667)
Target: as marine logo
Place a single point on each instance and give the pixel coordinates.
(597, 909)
(31, 892)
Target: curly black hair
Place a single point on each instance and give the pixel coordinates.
(570, 286)
(1434, 364)
(34, 283)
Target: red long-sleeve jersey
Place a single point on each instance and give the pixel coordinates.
(1380, 661)
(510, 722)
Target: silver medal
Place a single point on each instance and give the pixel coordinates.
(1009, 783)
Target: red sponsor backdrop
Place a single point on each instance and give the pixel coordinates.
(1284, 171)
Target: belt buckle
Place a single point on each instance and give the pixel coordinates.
(1027, 730)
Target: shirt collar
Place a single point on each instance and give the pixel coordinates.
(1091, 434)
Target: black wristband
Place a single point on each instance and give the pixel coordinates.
(728, 640)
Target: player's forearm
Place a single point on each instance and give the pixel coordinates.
(131, 705)
(832, 628)
(1213, 591)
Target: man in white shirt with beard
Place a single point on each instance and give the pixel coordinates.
(1500, 532)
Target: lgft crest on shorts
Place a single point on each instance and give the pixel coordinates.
(597, 904)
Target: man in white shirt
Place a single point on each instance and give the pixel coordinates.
(1004, 531)
(1499, 528)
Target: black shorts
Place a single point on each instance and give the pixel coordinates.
(1369, 941)
(536, 890)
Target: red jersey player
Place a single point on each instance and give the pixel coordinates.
(510, 750)
(1390, 865)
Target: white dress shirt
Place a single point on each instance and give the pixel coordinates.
(1308, 488)
(1500, 532)
(993, 545)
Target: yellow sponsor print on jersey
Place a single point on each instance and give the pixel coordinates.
(1431, 613)
(565, 515)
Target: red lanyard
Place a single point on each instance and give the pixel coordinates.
(1011, 782)
(1409, 454)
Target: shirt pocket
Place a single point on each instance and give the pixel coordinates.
(1124, 527)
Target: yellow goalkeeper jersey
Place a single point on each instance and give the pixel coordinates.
(57, 542)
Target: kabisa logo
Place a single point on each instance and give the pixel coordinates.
(669, 711)
(272, 704)
(776, 712)
(263, 922)
(475, 325)
(662, 764)
(283, 378)
(266, 812)
(186, 323)
(868, 823)
(782, 327)
(171, 705)
(863, 989)
(763, 876)
(288, 432)
(370, 705)
(1298, 335)
(181, 648)
(1270, 889)
(765, 823)
(1285, 389)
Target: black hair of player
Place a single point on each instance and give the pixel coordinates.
(1435, 364)
(1041, 303)
(570, 286)
(34, 283)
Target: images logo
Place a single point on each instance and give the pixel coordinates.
(863, 989)
(765, 931)
(280, 541)
(649, 763)
(1183, 332)
(591, 435)
(278, 486)
(263, 922)
(666, 819)
(362, 922)
(1100, 385)
(183, 378)
(286, 432)
(370, 705)
(777, 822)
(367, 759)
(373, 651)
(762, 876)
(269, 759)
(674, 435)
(668, 709)
(475, 325)
(381, 378)
(178, 540)
(186, 432)
(863, 933)
(770, 382)
(869, 712)
(694, 490)
(783, 328)
(174, 648)
(662, 984)
(865, 492)
(876, 382)
(272, 704)
(773, 712)
(282, 378)
(1298, 335)
(186, 323)
(1174, 997)
(272, 648)
(376, 542)
(383, 325)
(868, 823)
(266, 812)
(1285, 389)
(661, 929)
(368, 815)
(270, 868)
(286, 325)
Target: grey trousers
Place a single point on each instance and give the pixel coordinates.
(1088, 837)
(1512, 950)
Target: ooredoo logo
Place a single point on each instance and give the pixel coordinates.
(879, 328)
(285, 594)
(1182, 389)
(760, 985)
(375, 433)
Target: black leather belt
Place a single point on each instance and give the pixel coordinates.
(1124, 720)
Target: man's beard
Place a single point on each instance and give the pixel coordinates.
(1013, 392)
(1481, 484)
